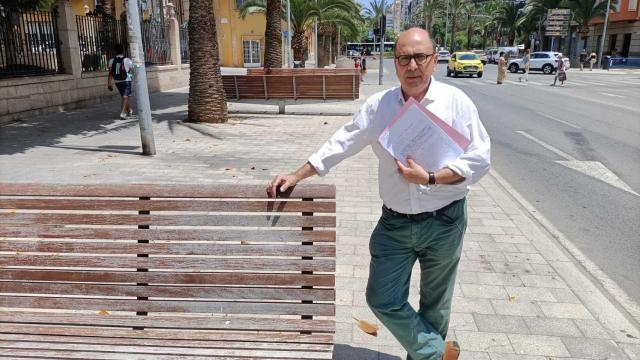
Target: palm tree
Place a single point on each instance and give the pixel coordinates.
(373, 12)
(586, 10)
(455, 9)
(509, 18)
(303, 12)
(431, 9)
(207, 99)
(273, 30)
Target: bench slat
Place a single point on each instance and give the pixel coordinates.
(164, 291)
(244, 307)
(155, 248)
(53, 231)
(211, 343)
(170, 334)
(164, 190)
(168, 205)
(174, 278)
(164, 263)
(169, 220)
(169, 322)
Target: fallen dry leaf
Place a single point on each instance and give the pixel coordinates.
(512, 299)
(103, 312)
(367, 327)
(243, 242)
(187, 139)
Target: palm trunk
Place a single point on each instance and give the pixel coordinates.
(207, 99)
(469, 30)
(453, 33)
(273, 35)
(299, 45)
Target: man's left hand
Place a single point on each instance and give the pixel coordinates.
(413, 173)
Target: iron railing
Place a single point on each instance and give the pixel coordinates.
(29, 44)
(97, 37)
(155, 42)
(184, 43)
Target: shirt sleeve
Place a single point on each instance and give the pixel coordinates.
(476, 161)
(347, 141)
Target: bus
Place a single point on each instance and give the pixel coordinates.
(353, 49)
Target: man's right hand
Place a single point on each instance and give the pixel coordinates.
(281, 183)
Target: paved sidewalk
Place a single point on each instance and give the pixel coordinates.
(518, 294)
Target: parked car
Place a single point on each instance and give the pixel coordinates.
(353, 53)
(481, 55)
(544, 61)
(465, 63)
(493, 54)
(443, 55)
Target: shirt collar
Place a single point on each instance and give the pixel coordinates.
(429, 97)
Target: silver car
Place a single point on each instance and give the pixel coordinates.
(444, 55)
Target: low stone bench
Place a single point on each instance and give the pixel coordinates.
(166, 272)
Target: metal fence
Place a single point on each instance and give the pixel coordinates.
(29, 44)
(155, 42)
(97, 37)
(624, 62)
(184, 43)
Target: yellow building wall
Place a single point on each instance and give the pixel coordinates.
(232, 31)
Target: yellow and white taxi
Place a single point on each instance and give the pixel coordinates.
(464, 63)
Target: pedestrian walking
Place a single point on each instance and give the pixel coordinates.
(358, 65)
(502, 68)
(424, 212)
(583, 59)
(592, 60)
(561, 74)
(121, 73)
(526, 62)
(363, 65)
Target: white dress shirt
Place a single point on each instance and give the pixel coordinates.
(449, 104)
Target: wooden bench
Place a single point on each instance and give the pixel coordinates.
(166, 272)
(295, 84)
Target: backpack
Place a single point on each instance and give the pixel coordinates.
(118, 71)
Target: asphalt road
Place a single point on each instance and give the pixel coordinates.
(573, 152)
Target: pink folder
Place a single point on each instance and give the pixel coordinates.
(458, 138)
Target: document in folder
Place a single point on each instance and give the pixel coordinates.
(417, 133)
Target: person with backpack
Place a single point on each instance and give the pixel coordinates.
(120, 72)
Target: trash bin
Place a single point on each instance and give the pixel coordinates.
(606, 61)
(297, 64)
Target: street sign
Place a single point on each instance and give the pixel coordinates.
(559, 11)
(556, 33)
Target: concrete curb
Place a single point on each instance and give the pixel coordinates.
(596, 290)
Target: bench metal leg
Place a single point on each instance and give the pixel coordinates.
(281, 106)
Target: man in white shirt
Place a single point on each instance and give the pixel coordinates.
(424, 213)
(120, 72)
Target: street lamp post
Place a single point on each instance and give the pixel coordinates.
(381, 68)
(604, 33)
(289, 50)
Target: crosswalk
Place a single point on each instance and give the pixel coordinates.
(604, 86)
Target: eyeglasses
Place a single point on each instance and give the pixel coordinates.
(420, 58)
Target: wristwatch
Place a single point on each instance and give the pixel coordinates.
(432, 178)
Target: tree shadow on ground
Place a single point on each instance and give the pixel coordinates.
(346, 352)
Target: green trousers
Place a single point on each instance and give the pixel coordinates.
(395, 245)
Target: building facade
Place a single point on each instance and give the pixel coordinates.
(623, 31)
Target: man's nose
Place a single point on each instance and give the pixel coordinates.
(413, 65)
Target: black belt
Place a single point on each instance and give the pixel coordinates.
(422, 215)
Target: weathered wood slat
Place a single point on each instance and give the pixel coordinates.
(77, 247)
(168, 205)
(53, 231)
(164, 291)
(164, 190)
(161, 350)
(170, 322)
(208, 336)
(168, 220)
(222, 307)
(170, 278)
(159, 263)
(210, 343)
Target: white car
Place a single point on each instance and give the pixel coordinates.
(443, 55)
(544, 61)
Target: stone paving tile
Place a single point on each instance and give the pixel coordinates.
(501, 323)
(522, 293)
(592, 329)
(500, 356)
(632, 350)
(484, 341)
(553, 327)
(594, 349)
(565, 311)
(538, 345)
(483, 291)
(516, 308)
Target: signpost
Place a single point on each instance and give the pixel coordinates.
(558, 22)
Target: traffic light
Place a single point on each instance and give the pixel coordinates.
(383, 24)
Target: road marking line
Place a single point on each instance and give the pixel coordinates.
(612, 95)
(536, 83)
(515, 82)
(558, 120)
(459, 82)
(594, 169)
(557, 151)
